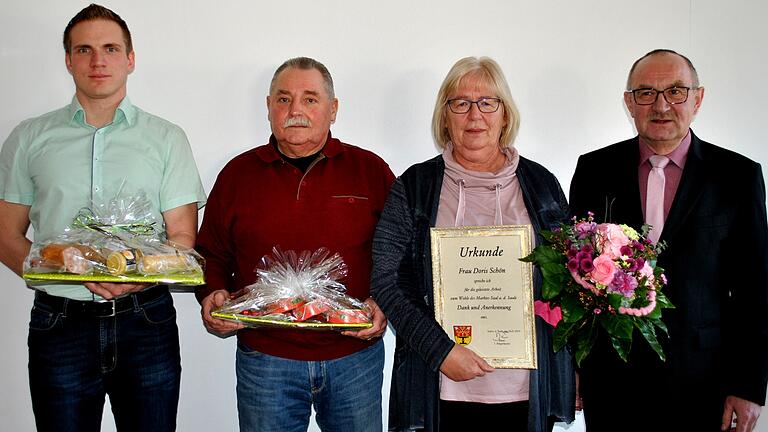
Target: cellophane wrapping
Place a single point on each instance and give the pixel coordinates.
(114, 242)
(298, 290)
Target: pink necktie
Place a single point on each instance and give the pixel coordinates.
(654, 198)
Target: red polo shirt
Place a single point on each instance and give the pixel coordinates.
(260, 201)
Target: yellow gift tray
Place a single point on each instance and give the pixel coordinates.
(265, 321)
(188, 278)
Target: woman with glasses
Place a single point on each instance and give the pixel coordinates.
(478, 180)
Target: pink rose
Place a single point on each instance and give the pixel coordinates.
(604, 269)
(612, 238)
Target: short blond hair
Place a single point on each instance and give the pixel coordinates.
(490, 73)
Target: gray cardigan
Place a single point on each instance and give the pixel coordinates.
(402, 286)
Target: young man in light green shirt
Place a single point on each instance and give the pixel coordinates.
(94, 339)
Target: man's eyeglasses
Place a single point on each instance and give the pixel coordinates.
(485, 105)
(673, 95)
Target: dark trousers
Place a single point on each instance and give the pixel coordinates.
(471, 416)
(81, 351)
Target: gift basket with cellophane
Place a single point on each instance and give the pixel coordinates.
(114, 242)
(298, 290)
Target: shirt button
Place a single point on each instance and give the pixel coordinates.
(351, 200)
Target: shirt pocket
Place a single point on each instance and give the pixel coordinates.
(352, 218)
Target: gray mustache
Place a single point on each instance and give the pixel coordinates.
(296, 121)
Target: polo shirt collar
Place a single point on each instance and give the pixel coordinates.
(270, 154)
(125, 111)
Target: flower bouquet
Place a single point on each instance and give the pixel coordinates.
(114, 242)
(298, 291)
(602, 276)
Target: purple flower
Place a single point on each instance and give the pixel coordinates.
(581, 256)
(573, 265)
(632, 263)
(639, 263)
(587, 248)
(625, 251)
(623, 284)
(584, 229)
(571, 253)
(586, 265)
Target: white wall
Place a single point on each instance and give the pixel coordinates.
(206, 66)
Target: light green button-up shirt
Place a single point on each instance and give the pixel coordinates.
(58, 164)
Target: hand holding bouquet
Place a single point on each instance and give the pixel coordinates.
(602, 276)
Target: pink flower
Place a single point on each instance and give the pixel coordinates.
(604, 269)
(647, 271)
(623, 284)
(612, 238)
(584, 229)
(551, 315)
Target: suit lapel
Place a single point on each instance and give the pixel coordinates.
(630, 211)
(688, 192)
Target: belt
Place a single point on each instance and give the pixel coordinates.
(100, 309)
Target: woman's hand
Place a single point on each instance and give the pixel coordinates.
(463, 364)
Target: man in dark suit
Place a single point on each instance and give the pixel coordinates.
(712, 216)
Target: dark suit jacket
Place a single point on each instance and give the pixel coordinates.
(716, 262)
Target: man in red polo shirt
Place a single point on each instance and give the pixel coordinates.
(303, 190)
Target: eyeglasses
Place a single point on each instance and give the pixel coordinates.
(673, 95)
(485, 105)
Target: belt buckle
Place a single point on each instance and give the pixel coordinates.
(114, 309)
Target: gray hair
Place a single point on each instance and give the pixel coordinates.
(694, 74)
(305, 63)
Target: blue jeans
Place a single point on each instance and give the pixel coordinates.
(76, 357)
(277, 394)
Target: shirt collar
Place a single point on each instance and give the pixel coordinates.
(677, 156)
(125, 111)
(269, 152)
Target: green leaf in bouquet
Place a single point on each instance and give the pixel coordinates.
(555, 279)
(550, 289)
(663, 301)
(655, 313)
(649, 333)
(615, 300)
(571, 307)
(585, 341)
(617, 326)
(660, 325)
(531, 258)
(622, 346)
(563, 333)
(547, 254)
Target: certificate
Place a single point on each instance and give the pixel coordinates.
(484, 293)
